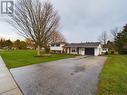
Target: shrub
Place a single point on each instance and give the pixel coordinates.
(123, 51)
(106, 53)
(112, 52)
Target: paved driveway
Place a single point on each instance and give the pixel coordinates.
(74, 76)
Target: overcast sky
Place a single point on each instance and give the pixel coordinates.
(83, 20)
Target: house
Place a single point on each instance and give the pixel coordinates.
(57, 47)
(88, 48)
(104, 50)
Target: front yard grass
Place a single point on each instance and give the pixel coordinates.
(20, 58)
(113, 78)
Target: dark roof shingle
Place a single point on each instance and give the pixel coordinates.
(87, 44)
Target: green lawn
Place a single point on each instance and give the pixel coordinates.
(20, 58)
(113, 78)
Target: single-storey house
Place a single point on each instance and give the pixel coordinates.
(88, 48)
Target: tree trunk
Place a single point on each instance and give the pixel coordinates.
(38, 50)
(47, 50)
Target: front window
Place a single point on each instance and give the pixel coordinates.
(73, 50)
(52, 45)
(58, 45)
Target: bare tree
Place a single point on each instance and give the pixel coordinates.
(103, 37)
(35, 20)
(57, 37)
(114, 33)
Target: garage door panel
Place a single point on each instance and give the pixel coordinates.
(89, 51)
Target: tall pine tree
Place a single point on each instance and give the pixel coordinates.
(121, 41)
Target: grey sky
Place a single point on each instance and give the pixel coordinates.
(83, 20)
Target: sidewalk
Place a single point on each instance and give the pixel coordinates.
(7, 83)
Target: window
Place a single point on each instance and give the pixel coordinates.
(52, 45)
(57, 45)
(82, 49)
(73, 50)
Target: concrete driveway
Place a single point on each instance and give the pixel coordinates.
(73, 76)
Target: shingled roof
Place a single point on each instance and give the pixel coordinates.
(87, 44)
(57, 43)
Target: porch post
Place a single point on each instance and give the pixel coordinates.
(69, 50)
(77, 50)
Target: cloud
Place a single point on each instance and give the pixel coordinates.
(84, 20)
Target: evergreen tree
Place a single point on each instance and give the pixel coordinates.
(121, 40)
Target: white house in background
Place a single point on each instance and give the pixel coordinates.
(104, 50)
(57, 47)
(88, 48)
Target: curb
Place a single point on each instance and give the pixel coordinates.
(9, 87)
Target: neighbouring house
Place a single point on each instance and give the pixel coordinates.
(104, 50)
(57, 47)
(88, 48)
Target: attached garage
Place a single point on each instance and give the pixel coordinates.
(89, 51)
